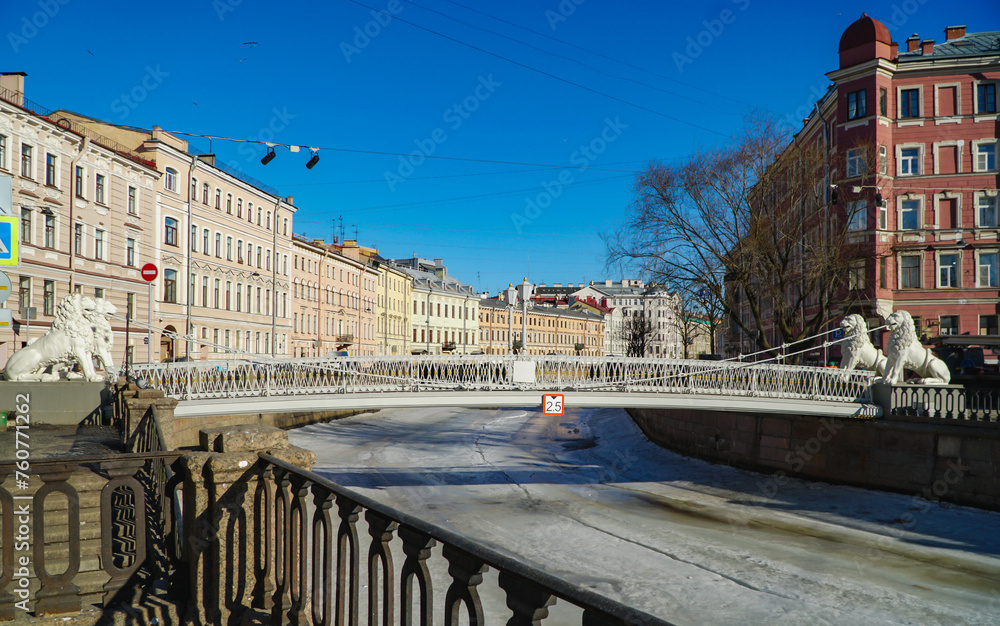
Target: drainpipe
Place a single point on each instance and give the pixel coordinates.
(72, 205)
(187, 258)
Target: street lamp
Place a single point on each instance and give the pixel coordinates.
(511, 303)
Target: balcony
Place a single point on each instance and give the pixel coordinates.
(345, 340)
(448, 346)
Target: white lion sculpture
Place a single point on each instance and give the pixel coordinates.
(858, 351)
(905, 352)
(80, 332)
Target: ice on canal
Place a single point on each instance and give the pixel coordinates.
(588, 498)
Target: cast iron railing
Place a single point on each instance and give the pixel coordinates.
(245, 377)
(311, 564)
(949, 403)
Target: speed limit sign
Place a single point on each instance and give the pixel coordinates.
(552, 404)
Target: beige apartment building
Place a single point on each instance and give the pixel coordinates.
(393, 312)
(333, 306)
(444, 313)
(550, 330)
(228, 234)
(86, 210)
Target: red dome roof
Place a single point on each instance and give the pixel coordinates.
(864, 30)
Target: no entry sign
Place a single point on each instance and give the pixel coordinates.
(149, 272)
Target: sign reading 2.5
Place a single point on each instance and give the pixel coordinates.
(552, 404)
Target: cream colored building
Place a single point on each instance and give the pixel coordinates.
(444, 313)
(392, 309)
(228, 234)
(87, 215)
(550, 329)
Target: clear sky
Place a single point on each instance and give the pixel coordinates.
(593, 89)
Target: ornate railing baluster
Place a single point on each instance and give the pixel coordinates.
(121, 474)
(381, 529)
(282, 547)
(467, 573)
(529, 602)
(298, 612)
(57, 594)
(264, 549)
(322, 557)
(348, 563)
(417, 548)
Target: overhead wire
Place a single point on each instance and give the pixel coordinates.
(547, 74)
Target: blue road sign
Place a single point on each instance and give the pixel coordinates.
(9, 240)
(838, 333)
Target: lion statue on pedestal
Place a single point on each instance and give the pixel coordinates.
(905, 353)
(80, 332)
(858, 350)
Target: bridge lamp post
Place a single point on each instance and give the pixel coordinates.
(511, 303)
(524, 291)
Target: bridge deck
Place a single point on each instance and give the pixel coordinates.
(385, 400)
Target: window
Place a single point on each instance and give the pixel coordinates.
(856, 104)
(269, 220)
(204, 193)
(215, 293)
(988, 325)
(909, 272)
(78, 239)
(259, 213)
(949, 325)
(51, 170)
(229, 248)
(49, 297)
(239, 297)
(855, 163)
(229, 295)
(883, 102)
(26, 160)
(50, 231)
(909, 211)
(194, 189)
(170, 180)
(987, 212)
(218, 245)
(986, 156)
(883, 216)
(99, 188)
(129, 307)
(169, 285)
(856, 277)
(78, 186)
(3, 152)
(25, 225)
(204, 291)
(988, 267)
(130, 252)
(883, 159)
(284, 226)
(204, 241)
(98, 244)
(218, 201)
(239, 250)
(24, 293)
(170, 231)
(986, 98)
(948, 270)
(239, 207)
(250, 212)
(909, 103)
(909, 161)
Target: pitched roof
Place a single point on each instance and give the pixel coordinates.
(968, 45)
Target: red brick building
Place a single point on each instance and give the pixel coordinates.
(913, 130)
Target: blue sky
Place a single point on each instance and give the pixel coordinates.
(596, 91)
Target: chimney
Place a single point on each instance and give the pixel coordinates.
(12, 87)
(893, 51)
(207, 158)
(290, 200)
(607, 283)
(954, 32)
(927, 46)
(912, 42)
(557, 284)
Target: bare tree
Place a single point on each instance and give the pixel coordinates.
(748, 226)
(637, 333)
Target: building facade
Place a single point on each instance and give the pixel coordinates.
(444, 312)
(86, 209)
(913, 142)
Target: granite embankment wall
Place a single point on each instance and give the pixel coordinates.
(939, 461)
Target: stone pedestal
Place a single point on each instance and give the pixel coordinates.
(61, 402)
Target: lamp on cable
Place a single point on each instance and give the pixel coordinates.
(313, 160)
(269, 156)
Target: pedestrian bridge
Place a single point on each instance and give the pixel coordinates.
(253, 385)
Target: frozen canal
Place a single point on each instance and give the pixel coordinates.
(588, 498)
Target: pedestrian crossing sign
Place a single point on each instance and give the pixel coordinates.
(10, 253)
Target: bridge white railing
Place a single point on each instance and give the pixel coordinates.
(245, 377)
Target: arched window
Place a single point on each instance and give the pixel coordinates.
(170, 180)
